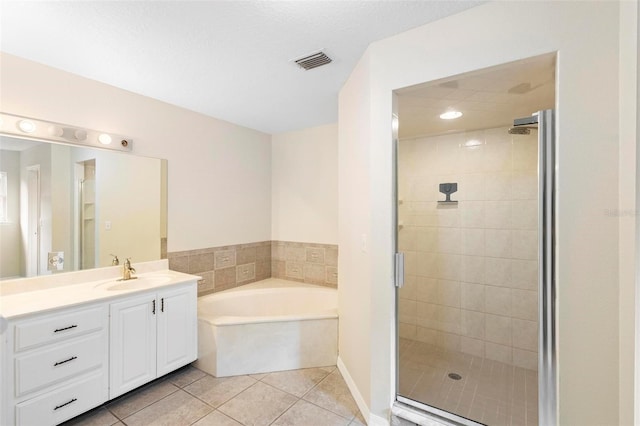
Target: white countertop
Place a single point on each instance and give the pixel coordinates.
(40, 294)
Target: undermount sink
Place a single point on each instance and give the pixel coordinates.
(136, 283)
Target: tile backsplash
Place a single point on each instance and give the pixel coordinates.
(305, 262)
(226, 267)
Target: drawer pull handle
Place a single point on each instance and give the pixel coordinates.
(57, 330)
(66, 403)
(66, 360)
(153, 308)
(162, 305)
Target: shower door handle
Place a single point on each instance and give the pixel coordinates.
(399, 270)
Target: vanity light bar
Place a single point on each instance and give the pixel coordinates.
(32, 128)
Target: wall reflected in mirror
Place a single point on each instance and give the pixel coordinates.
(65, 208)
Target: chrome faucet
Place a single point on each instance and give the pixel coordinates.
(127, 270)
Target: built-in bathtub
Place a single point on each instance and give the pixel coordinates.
(270, 325)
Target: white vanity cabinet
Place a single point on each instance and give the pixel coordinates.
(55, 365)
(72, 347)
(151, 334)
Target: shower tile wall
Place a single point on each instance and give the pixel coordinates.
(471, 282)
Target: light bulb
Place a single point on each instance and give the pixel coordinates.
(80, 134)
(104, 139)
(26, 126)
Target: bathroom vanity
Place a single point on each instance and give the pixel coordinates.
(74, 341)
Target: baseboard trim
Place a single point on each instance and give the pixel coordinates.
(371, 419)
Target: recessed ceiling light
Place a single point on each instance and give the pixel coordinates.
(450, 115)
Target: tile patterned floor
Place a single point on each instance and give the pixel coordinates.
(489, 392)
(307, 397)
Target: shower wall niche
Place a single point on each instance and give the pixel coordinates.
(471, 267)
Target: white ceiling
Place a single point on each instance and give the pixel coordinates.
(226, 59)
(487, 98)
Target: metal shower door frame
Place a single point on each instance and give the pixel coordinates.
(547, 344)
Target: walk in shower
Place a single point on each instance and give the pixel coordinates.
(476, 246)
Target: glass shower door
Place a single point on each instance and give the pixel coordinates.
(469, 312)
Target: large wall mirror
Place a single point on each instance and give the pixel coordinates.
(65, 208)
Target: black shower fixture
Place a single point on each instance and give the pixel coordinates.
(448, 189)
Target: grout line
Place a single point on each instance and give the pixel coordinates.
(204, 415)
(227, 400)
(149, 405)
(137, 392)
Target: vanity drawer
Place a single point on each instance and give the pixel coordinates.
(62, 404)
(60, 362)
(59, 326)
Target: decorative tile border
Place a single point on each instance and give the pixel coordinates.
(226, 267)
(222, 268)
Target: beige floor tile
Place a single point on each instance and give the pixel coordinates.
(136, 400)
(259, 376)
(96, 417)
(177, 409)
(216, 391)
(185, 376)
(216, 418)
(296, 382)
(490, 391)
(258, 405)
(329, 368)
(408, 377)
(306, 414)
(333, 394)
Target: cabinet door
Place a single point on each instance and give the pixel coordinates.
(133, 343)
(177, 328)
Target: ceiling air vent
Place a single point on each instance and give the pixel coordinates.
(313, 61)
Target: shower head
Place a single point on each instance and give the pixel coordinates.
(519, 131)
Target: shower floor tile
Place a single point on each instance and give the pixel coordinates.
(305, 397)
(489, 391)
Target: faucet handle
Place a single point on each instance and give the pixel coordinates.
(127, 265)
(115, 261)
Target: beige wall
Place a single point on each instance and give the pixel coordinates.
(304, 186)
(61, 203)
(629, 210)
(10, 240)
(127, 191)
(219, 174)
(354, 225)
(38, 155)
(585, 35)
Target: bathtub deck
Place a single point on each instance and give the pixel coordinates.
(313, 396)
